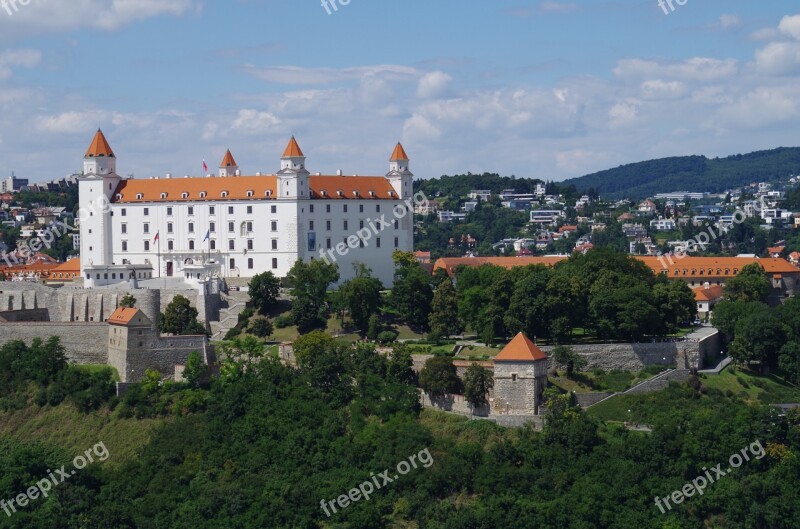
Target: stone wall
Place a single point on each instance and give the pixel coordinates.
(24, 315)
(661, 381)
(518, 387)
(453, 403)
(85, 343)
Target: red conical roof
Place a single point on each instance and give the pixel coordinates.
(293, 150)
(228, 160)
(399, 154)
(521, 349)
(99, 147)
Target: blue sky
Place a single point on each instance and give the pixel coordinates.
(548, 89)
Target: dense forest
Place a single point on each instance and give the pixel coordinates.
(271, 443)
(692, 173)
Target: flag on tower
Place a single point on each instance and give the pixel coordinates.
(205, 166)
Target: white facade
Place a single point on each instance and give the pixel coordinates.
(244, 235)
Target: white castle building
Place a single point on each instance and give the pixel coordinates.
(238, 226)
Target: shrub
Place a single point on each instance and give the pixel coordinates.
(246, 314)
(387, 337)
(283, 321)
(233, 333)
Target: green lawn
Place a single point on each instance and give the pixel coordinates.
(731, 384)
(600, 381)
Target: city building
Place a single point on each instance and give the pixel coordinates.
(13, 184)
(238, 226)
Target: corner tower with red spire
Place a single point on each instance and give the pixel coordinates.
(228, 166)
(401, 178)
(293, 176)
(99, 158)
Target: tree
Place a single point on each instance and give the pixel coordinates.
(443, 319)
(194, 370)
(180, 318)
(373, 327)
(759, 335)
(261, 327)
(569, 359)
(439, 376)
(264, 290)
(752, 284)
(310, 282)
(728, 313)
(361, 297)
(789, 361)
(675, 302)
(477, 384)
(412, 294)
(127, 301)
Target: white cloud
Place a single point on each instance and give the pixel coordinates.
(20, 58)
(434, 84)
(251, 121)
(296, 75)
(790, 25)
(728, 21)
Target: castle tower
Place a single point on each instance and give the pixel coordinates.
(520, 378)
(401, 178)
(293, 176)
(228, 166)
(96, 188)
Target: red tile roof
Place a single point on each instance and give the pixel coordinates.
(293, 150)
(520, 349)
(399, 154)
(123, 316)
(99, 147)
(451, 263)
(228, 160)
(712, 293)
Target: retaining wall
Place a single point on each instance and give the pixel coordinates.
(85, 343)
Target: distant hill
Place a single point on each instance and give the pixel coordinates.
(691, 173)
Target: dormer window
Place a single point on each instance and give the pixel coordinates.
(249, 194)
(268, 193)
(184, 195)
(119, 196)
(163, 196)
(391, 194)
(224, 194)
(139, 196)
(355, 193)
(340, 193)
(203, 194)
(372, 193)
(323, 192)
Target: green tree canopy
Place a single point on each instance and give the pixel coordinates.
(264, 291)
(180, 318)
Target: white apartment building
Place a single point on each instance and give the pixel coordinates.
(238, 226)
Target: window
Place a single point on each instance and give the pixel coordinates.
(274, 263)
(345, 225)
(231, 244)
(124, 246)
(274, 244)
(249, 210)
(311, 208)
(124, 228)
(250, 263)
(146, 212)
(377, 208)
(146, 228)
(360, 224)
(191, 245)
(170, 245)
(212, 227)
(230, 227)
(169, 227)
(273, 209)
(328, 225)
(169, 212)
(212, 210)
(311, 225)
(378, 242)
(396, 242)
(123, 212)
(146, 246)
(250, 227)
(361, 208)
(191, 227)
(249, 244)
(513, 377)
(396, 224)
(232, 264)
(230, 210)
(274, 225)
(345, 208)
(328, 243)
(327, 208)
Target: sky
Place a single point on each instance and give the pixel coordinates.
(547, 89)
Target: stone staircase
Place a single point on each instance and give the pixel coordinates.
(229, 315)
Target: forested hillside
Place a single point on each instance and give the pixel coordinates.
(692, 173)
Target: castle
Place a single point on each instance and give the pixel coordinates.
(235, 226)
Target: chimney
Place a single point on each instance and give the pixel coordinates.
(339, 172)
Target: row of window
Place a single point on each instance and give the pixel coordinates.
(703, 271)
(212, 210)
(212, 244)
(246, 227)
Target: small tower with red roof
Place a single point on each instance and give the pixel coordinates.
(399, 175)
(228, 166)
(520, 378)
